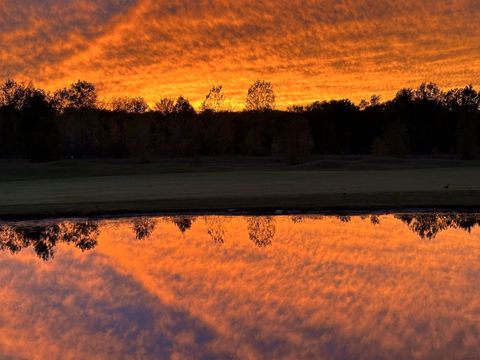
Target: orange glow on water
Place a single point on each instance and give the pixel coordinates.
(322, 287)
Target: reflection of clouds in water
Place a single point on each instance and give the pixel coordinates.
(81, 309)
(324, 289)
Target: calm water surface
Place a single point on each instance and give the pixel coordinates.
(216, 287)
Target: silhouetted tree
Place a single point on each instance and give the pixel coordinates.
(135, 105)
(260, 96)
(183, 107)
(214, 100)
(165, 106)
(336, 128)
(298, 109)
(80, 95)
(16, 95)
(428, 92)
(38, 126)
(363, 105)
(375, 101)
(466, 99)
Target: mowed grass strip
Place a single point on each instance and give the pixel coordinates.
(241, 189)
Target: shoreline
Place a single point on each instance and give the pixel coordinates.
(327, 204)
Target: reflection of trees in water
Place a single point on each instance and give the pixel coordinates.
(427, 226)
(83, 234)
(374, 219)
(143, 227)
(216, 228)
(183, 223)
(261, 230)
(299, 219)
(10, 240)
(44, 238)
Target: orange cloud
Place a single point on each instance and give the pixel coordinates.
(310, 49)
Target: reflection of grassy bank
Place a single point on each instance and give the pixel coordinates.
(82, 187)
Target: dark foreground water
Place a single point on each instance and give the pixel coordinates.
(215, 287)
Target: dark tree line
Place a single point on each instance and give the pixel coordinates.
(71, 123)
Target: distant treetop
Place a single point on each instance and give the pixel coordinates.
(260, 96)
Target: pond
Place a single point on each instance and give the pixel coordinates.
(397, 286)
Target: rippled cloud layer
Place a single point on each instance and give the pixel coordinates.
(309, 49)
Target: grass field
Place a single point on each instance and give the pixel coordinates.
(103, 187)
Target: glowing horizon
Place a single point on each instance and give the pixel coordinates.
(309, 50)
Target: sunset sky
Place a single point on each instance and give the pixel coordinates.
(310, 50)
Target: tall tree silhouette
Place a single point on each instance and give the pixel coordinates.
(260, 96)
(80, 95)
(38, 125)
(214, 100)
(465, 99)
(428, 92)
(16, 95)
